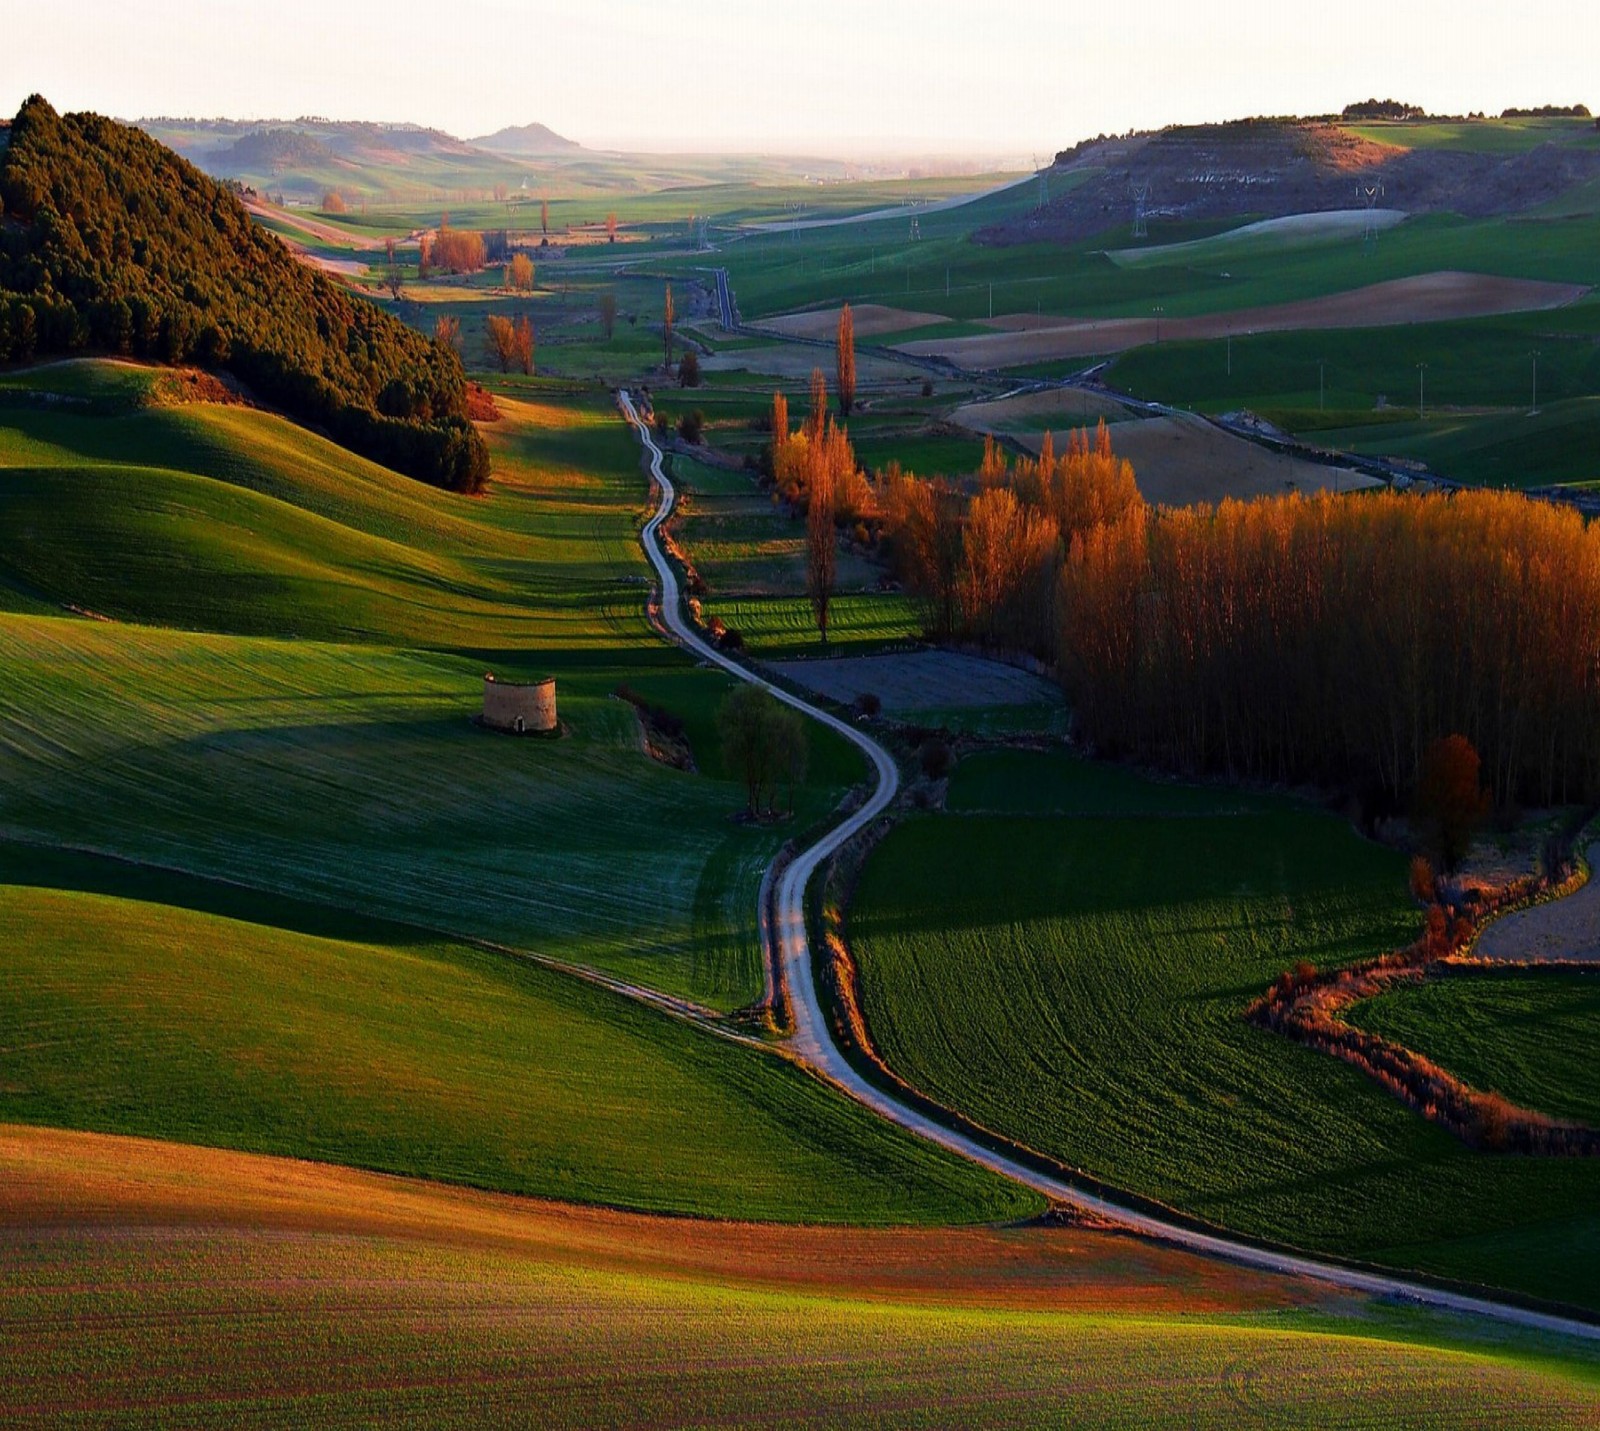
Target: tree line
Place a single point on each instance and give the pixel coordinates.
(1334, 639)
(109, 242)
(1328, 639)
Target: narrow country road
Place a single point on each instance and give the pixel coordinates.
(813, 1043)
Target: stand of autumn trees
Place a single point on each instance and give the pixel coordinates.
(1334, 639)
(1329, 640)
(112, 243)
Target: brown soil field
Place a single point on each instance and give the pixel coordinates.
(55, 1179)
(783, 361)
(1178, 461)
(1562, 929)
(1054, 409)
(872, 320)
(1426, 298)
(921, 680)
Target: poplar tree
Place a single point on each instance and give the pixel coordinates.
(845, 356)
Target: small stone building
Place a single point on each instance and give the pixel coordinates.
(522, 708)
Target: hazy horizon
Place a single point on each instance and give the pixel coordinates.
(831, 80)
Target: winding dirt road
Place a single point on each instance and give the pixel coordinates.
(812, 1040)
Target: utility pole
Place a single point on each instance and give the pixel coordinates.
(1230, 354)
(1534, 410)
(947, 283)
(991, 300)
(1422, 376)
(1322, 385)
(1158, 310)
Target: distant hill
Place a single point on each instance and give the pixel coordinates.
(527, 139)
(303, 158)
(112, 243)
(1269, 168)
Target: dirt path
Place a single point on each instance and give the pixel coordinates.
(812, 1041)
(1562, 929)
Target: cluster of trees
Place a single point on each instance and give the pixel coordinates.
(452, 250)
(818, 456)
(985, 567)
(764, 742)
(1548, 111)
(1382, 109)
(1333, 640)
(511, 344)
(519, 273)
(113, 243)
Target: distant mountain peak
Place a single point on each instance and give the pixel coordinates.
(526, 139)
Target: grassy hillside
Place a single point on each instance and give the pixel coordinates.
(1079, 984)
(346, 768)
(1531, 1038)
(394, 1051)
(115, 244)
(269, 1292)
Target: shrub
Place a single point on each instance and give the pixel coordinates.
(689, 369)
(936, 758)
(692, 426)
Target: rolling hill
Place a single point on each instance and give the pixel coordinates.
(114, 244)
(537, 139)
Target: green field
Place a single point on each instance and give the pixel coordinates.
(346, 768)
(871, 264)
(1560, 444)
(781, 627)
(1079, 985)
(1478, 136)
(392, 1050)
(1530, 1037)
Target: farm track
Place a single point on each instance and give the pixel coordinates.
(812, 1040)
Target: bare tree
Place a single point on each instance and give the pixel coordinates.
(608, 313)
(666, 326)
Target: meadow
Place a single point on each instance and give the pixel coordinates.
(330, 1037)
(344, 766)
(271, 1293)
(1078, 985)
(782, 627)
(1527, 1036)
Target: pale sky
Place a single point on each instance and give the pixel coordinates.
(816, 76)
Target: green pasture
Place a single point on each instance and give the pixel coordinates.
(1079, 984)
(953, 276)
(783, 627)
(1476, 136)
(344, 766)
(410, 1054)
(1530, 1037)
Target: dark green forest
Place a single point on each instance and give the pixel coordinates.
(111, 243)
